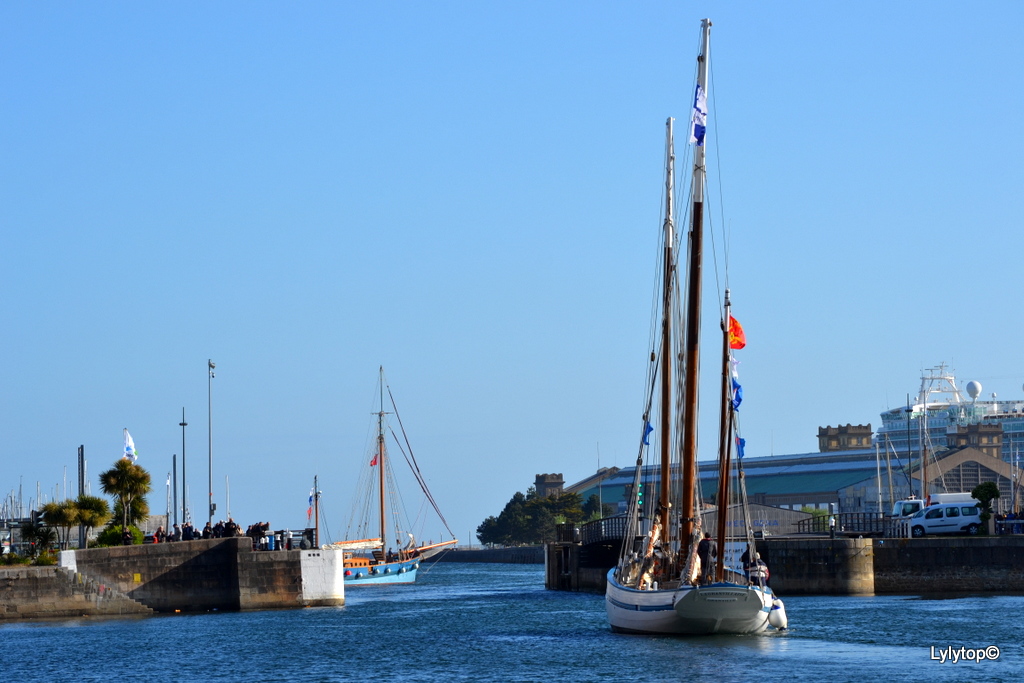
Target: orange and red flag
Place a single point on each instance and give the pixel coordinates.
(737, 340)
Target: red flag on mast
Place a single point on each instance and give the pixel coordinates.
(737, 340)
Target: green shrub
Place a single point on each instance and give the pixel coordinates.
(14, 558)
(112, 536)
(46, 559)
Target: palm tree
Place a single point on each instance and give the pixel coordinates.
(38, 536)
(93, 511)
(138, 511)
(62, 515)
(127, 482)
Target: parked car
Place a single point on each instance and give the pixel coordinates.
(946, 519)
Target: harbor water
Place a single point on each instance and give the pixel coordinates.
(495, 622)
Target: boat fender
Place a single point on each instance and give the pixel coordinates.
(777, 615)
(348, 572)
(373, 570)
(387, 570)
(402, 570)
(359, 575)
(416, 566)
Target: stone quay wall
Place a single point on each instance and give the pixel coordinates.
(524, 555)
(51, 592)
(988, 564)
(192, 576)
(819, 566)
(849, 566)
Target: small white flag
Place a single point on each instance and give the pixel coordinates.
(700, 117)
(129, 447)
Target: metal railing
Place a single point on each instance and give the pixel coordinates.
(847, 524)
(603, 530)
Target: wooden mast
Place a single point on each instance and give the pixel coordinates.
(693, 309)
(724, 446)
(380, 460)
(666, 339)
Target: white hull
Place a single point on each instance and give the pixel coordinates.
(688, 610)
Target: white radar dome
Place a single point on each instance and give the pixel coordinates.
(974, 389)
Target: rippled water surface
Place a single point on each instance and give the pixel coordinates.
(490, 622)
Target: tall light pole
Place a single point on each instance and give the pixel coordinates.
(209, 404)
(183, 424)
(910, 456)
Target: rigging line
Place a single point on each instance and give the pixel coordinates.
(721, 188)
(419, 478)
(409, 520)
(415, 467)
(709, 138)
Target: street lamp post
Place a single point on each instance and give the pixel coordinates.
(209, 405)
(184, 486)
(910, 457)
(174, 489)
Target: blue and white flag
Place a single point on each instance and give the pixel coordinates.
(737, 394)
(740, 445)
(700, 117)
(129, 447)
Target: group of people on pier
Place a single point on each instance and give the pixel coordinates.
(259, 533)
(1010, 523)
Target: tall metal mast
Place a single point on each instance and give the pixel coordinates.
(693, 301)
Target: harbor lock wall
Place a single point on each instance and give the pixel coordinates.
(223, 574)
(843, 566)
(53, 592)
(820, 566)
(522, 555)
(992, 564)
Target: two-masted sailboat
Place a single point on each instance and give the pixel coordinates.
(371, 561)
(659, 585)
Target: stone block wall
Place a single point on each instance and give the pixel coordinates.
(949, 564)
(524, 555)
(48, 592)
(223, 574)
(269, 579)
(819, 566)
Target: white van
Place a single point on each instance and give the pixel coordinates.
(946, 519)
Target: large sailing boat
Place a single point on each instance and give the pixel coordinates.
(659, 585)
(370, 561)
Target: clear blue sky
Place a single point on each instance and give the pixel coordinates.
(469, 194)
